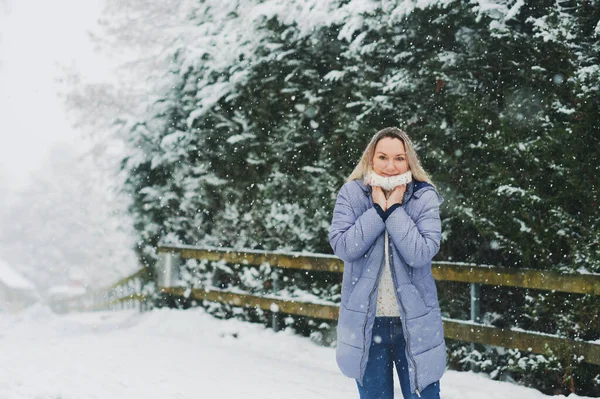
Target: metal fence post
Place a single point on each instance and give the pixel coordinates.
(475, 301)
(276, 287)
(168, 269)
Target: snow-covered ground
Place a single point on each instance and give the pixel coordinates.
(182, 354)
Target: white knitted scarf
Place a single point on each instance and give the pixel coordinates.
(387, 183)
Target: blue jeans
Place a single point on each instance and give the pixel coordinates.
(387, 349)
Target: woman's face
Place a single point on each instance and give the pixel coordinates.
(390, 157)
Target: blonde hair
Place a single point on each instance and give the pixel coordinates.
(414, 165)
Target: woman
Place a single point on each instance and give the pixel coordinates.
(386, 228)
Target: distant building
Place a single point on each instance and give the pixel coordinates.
(16, 292)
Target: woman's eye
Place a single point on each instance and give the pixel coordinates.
(400, 159)
(382, 157)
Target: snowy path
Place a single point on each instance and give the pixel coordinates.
(182, 354)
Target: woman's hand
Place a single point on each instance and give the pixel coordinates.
(396, 196)
(379, 197)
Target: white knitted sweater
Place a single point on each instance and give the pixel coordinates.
(386, 297)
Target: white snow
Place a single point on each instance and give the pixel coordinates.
(514, 10)
(240, 137)
(334, 75)
(508, 190)
(66, 291)
(182, 354)
(10, 278)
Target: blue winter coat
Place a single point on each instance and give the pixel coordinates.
(357, 237)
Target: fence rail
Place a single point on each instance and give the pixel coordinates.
(125, 293)
(471, 331)
(446, 271)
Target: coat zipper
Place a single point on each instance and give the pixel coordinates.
(367, 318)
(403, 311)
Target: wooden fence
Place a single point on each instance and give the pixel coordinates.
(124, 294)
(171, 257)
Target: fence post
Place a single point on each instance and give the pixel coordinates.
(276, 287)
(475, 300)
(168, 269)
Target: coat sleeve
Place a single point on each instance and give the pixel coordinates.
(351, 236)
(418, 241)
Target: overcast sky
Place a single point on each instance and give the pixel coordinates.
(38, 39)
